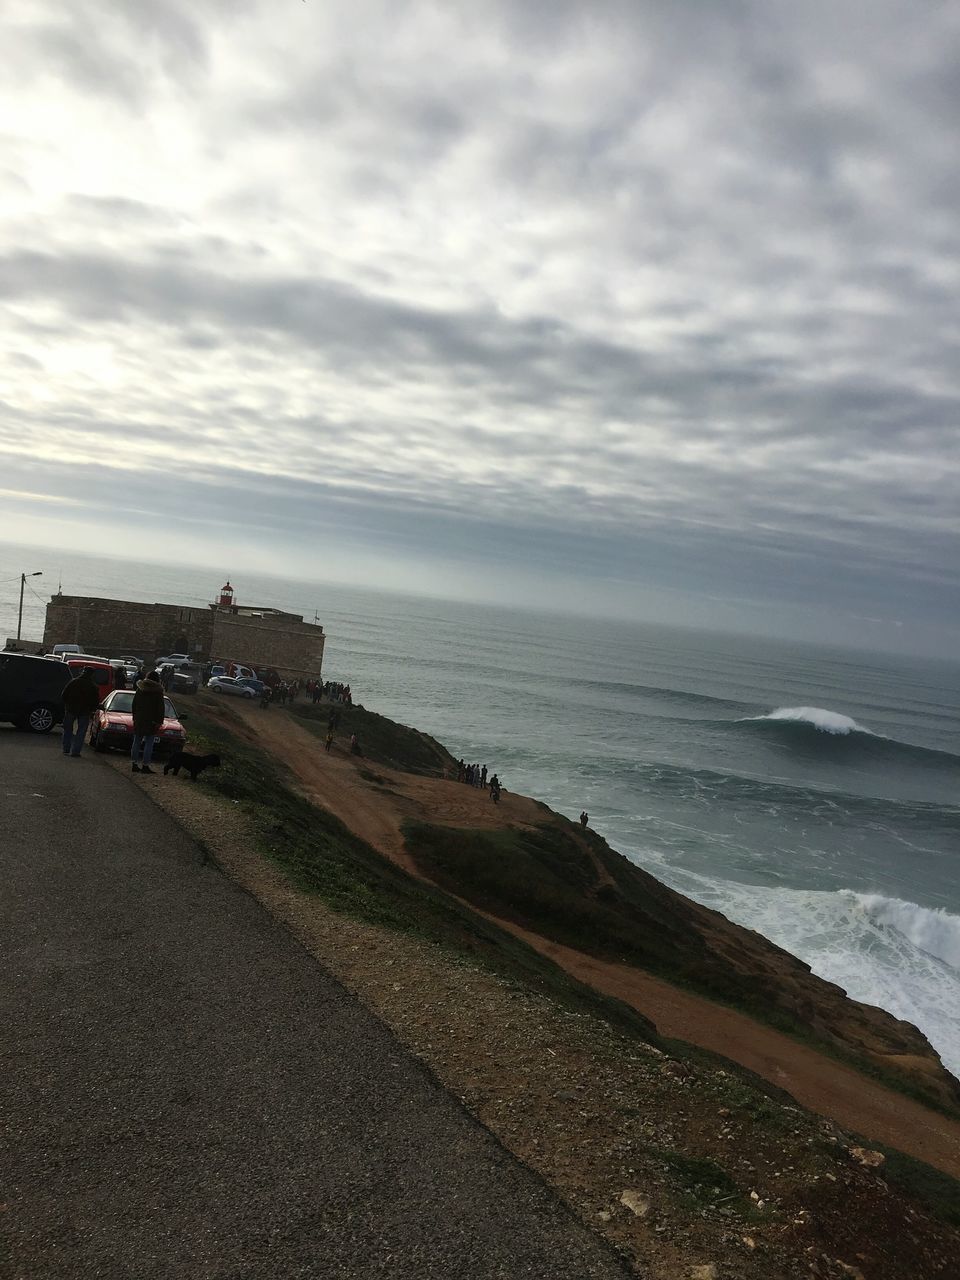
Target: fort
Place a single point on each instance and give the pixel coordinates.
(254, 635)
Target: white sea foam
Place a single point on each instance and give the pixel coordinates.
(884, 951)
(822, 719)
(936, 932)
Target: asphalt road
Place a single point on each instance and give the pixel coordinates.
(184, 1091)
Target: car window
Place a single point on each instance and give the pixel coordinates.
(122, 703)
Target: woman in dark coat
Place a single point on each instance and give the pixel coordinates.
(148, 714)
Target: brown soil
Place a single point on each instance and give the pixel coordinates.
(375, 811)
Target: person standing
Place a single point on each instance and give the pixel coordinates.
(149, 710)
(81, 697)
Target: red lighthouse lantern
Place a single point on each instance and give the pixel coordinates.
(226, 595)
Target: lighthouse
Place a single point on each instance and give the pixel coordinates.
(226, 596)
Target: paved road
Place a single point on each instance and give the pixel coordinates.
(184, 1091)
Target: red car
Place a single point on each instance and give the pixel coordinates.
(112, 725)
(101, 671)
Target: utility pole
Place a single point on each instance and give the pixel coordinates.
(23, 583)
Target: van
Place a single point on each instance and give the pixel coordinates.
(31, 691)
(59, 649)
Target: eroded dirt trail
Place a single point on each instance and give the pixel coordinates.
(374, 802)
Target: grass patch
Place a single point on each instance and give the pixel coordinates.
(937, 1192)
(382, 741)
(701, 1178)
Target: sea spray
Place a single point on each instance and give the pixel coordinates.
(936, 932)
(822, 719)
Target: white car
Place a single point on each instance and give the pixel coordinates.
(229, 684)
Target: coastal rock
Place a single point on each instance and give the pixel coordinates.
(868, 1159)
(706, 1271)
(635, 1202)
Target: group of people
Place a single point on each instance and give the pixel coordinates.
(286, 691)
(81, 697)
(475, 775)
(331, 690)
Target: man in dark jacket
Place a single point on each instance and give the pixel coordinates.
(148, 714)
(81, 698)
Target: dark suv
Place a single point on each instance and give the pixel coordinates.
(31, 691)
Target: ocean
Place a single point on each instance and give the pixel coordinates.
(808, 793)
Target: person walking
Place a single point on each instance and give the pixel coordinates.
(328, 740)
(81, 697)
(149, 709)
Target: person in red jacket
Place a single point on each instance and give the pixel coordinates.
(81, 698)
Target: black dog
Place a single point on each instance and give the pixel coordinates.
(193, 764)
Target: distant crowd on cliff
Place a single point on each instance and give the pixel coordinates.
(475, 775)
(315, 690)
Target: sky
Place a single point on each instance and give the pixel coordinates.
(649, 309)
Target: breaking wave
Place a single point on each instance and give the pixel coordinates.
(934, 931)
(816, 727)
(822, 720)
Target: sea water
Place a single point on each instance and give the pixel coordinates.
(810, 794)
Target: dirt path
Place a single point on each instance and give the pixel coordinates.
(375, 811)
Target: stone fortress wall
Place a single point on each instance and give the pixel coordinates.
(254, 637)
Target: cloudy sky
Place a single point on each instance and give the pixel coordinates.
(649, 308)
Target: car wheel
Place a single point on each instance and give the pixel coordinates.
(216, 689)
(40, 718)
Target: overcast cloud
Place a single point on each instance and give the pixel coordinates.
(643, 307)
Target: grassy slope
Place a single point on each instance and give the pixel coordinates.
(545, 881)
(320, 856)
(382, 741)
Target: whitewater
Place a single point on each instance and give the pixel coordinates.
(808, 793)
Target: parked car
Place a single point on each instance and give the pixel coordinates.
(173, 660)
(112, 725)
(59, 649)
(251, 682)
(99, 668)
(31, 691)
(228, 684)
(180, 681)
